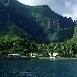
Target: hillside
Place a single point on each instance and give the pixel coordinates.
(56, 27)
(38, 23)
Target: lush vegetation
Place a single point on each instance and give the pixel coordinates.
(35, 29)
(9, 45)
(56, 27)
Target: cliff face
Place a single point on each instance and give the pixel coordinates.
(75, 31)
(38, 23)
(56, 27)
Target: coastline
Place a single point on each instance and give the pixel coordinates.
(27, 57)
(56, 58)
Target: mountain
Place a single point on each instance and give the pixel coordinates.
(57, 27)
(38, 23)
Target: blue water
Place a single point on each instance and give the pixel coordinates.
(38, 68)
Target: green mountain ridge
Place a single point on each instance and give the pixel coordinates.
(38, 23)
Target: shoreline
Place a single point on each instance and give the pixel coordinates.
(57, 58)
(26, 58)
(48, 58)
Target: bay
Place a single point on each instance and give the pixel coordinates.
(38, 68)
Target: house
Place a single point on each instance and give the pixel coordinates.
(33, 54)
(55, 54)
(13, 56)
(50, 55)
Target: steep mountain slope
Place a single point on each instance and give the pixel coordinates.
(56, 27)
(38, 23)
(17, 18)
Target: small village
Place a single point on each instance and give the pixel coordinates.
(30, 55)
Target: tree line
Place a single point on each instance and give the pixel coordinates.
(23, 46)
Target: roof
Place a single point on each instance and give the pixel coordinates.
(14, 54)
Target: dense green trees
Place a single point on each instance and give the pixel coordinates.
(23, 46)
(16, 45)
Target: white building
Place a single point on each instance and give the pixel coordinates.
(33, 54)
(13, 55)
(55, 54)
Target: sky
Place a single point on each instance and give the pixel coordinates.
(66, 8)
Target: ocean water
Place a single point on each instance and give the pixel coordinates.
(38, 68)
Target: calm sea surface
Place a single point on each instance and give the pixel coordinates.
(38, 68)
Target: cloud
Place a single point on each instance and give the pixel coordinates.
(72, 14)
(72, 9)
